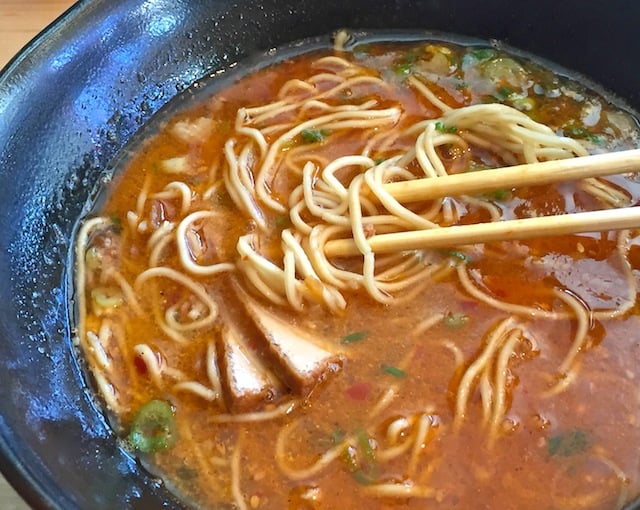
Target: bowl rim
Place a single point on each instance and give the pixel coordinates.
(36, 492)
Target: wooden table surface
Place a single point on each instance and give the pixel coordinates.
(20, 21)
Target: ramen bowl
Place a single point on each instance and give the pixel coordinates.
(72, 100)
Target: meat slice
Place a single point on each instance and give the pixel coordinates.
(263, 358)
(249, 382)
(300, 359)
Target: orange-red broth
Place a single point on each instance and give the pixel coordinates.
(598, 413)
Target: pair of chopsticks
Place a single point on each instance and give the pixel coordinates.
(534, 174)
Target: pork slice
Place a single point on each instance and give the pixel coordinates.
(301, 359)
(250, 384)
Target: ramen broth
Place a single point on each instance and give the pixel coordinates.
(505, 377)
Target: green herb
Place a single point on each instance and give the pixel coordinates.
(403, 69)
(394, 371)
(462, 85)
(282, 221)
(116, 223)
(362, 50)
(360, 459)
(581, 132)
(379, 160)
(352, 338)
(364, 445)
(483, 53)
(455, 320)
(337, 436)
(503, 93)
(405, 65)
(440, 126)
(153, 427)
(576, 131)
(366, 472)
(568, 443)
(456, 254)
(314, 135)
(361, 477)
(499, 194)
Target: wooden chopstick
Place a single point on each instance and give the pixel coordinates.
(532, 174)
(510, 230)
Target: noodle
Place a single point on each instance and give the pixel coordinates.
(291, 377)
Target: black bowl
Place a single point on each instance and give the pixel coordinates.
(72, 99)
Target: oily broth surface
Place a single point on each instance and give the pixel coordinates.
(524, 467)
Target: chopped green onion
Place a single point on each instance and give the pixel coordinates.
(362, 50)
(403, 69)
(361, 477)
(568, 443)
(462, 86)
(503, 93)
(483, 53)
(153, 427)
(282, 221)
(455, 320)
(394, 371)
(456, 254)
(440, 126)
(360, 459)
(505, 70)
(405, 65)
(581, 132)
(116, 223)
(364, 445)
(366, 472)
(499, 194)
(575, 131)
(337, 436)
(352, 338)
(314, 135)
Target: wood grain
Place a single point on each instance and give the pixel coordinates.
(21, 21)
